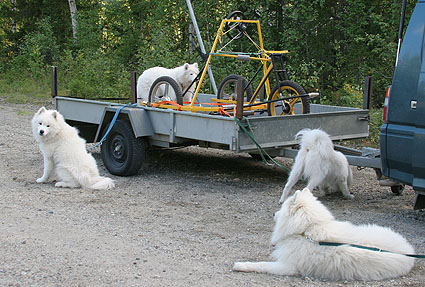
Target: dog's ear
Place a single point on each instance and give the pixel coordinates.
(186, 66)
(195, 65)
(55, 115)
(306, 191)
(297, 201)
(296, 195)
(41, 110)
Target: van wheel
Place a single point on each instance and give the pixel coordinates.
(397, 189)
(123, 153)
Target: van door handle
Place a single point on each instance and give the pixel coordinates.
(413, 104)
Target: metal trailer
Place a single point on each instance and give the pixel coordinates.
(123, 151)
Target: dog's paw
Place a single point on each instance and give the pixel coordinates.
(61, 184)
(283, 197)
(349, 196)
(41, 180)
(239, 266)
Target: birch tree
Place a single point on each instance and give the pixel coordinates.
(73, 9)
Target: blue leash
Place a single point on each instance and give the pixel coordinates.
(114, 119)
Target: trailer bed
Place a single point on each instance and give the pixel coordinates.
(166, 127)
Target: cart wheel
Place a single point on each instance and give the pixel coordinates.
(227, 88)
(165, 89)
(123, 153)
(287, 107)
(397, 189)
(235, 30)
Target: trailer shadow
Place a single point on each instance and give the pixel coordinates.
(213, 164)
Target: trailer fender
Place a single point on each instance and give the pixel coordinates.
(139, 120)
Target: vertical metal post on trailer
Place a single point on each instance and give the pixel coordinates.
(133, 85)
(201, 43)
(367, 94)
(239, 98)
(54, 81)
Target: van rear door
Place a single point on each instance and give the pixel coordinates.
(403, 135)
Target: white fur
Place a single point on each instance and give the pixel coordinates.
(65, 153)
(302, 221)
(319, 164)
(183, 75)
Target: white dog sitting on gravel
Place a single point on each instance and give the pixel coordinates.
(303, 222)
(64, 152)
(319, 164)
(183, 75)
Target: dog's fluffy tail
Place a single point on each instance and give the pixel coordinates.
(103, 183)
(315, 140)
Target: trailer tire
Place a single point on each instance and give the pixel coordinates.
(122, 153)
(397, 189)
(288, 89)
(162, 82)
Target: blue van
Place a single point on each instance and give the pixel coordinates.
(402, 136)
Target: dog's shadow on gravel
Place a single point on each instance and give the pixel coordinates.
(216, 165)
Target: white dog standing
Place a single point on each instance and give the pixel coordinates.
(319, 164)
(64, 152)
(183, 75)
(303, 221)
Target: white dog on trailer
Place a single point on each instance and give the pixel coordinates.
(183, 75)
(64, 152)
(303, 222)
(319, 164)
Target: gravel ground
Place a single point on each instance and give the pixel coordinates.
(182, 221)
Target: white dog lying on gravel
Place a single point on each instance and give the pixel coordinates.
(65, 152)
(303, 221)
(319, 164)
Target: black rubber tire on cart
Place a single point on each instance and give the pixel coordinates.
(227, 88)
(397, 189)
(235, 30)
(122, 153)
(166, 83)
(288, 89)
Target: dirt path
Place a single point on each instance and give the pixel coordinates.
(183, 221)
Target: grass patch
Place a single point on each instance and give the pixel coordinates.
(15, 89)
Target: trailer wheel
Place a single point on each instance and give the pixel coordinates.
(227, 88)
(287, 107)
(165, 89)
(397, 189)
(123, 153)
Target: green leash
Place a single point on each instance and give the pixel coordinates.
(262, 152)
(322, 243)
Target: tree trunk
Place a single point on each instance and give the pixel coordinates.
(14, 25)
(73, 9)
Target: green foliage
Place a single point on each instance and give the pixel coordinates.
(93, 76)
(23, 88)
(333, 45)
(375, 124)
(38, 50)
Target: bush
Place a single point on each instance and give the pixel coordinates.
(38, 51)
(93, 76)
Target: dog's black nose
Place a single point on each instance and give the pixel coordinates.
(41, 132)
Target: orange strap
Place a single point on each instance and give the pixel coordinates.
(179, 107)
